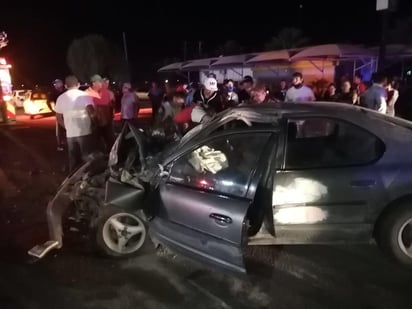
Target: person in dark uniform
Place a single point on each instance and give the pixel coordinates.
(155, 95)
(246, 88)
(52, 99)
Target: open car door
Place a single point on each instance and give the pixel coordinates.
(204, 202)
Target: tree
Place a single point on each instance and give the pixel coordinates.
(93, 54)
(287, 38)
(230, 47)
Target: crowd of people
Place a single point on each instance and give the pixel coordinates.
(85, 117)
(201, 103)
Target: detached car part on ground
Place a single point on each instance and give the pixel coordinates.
(321, 173)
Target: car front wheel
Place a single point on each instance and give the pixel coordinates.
(395, 234)
(120, 233)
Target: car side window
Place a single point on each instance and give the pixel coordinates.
(223, 165)
(324, 142)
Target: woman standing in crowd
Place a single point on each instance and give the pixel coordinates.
(392, 97)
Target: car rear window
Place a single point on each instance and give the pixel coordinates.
(325, 143)
(398, 121)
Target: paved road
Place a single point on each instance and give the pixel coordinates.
(75, 277)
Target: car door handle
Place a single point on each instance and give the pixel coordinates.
(221, 218)
(364, 183)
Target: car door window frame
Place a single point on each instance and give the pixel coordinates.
(222, 134)
(285, 126)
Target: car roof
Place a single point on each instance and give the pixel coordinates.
(267, 112)
(304, 107)
(384, 126)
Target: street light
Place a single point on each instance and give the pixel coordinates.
(385, 7)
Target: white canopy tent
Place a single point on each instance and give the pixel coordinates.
(230, 61)
(270, 56)
(333, 51)
(231, 67)
(198, 64)
(360, 56)
(177, 66)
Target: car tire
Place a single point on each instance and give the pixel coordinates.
(108, 228)
(394, 234)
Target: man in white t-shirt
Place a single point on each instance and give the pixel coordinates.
(75, 112)
(299, 92)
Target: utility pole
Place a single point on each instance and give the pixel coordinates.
(385, 7)
(200, 49)
(382, 46)
(126, 56)
(184, 50)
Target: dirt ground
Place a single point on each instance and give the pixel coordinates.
(75, 277)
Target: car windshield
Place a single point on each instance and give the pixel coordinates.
(199, 128)
(246, 117)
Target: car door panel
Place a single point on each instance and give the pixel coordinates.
(184, 203)
(317, 200)
(310, 206)
(202, 209)
(198, 246)
(333, 192)
(195, 223)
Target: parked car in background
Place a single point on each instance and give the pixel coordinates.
(35, 103)
(275, 174)
(18, 97)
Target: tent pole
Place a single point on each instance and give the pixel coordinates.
(402, 68)
(354, 68)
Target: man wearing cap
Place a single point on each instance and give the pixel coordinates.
(52, 98)
(104, 110)
(75, 112)
(207, 101)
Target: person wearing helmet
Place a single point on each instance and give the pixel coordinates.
(208, 101)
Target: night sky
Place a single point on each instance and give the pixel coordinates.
(39, 35)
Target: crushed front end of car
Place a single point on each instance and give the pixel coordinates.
(83, 189)
(120, 181)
